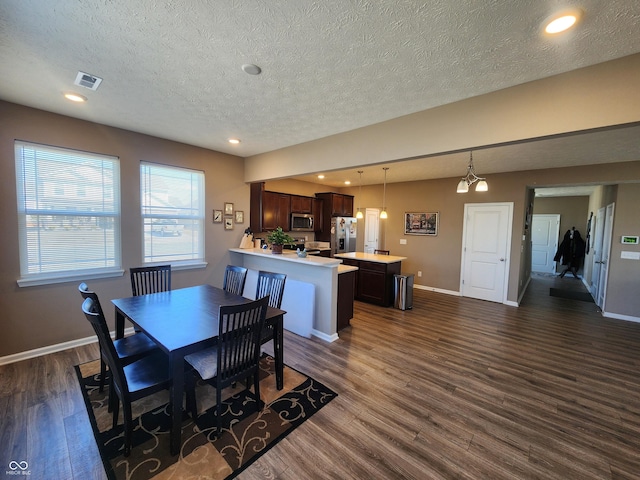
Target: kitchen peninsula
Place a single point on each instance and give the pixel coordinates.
(320, 272)
(374, 279)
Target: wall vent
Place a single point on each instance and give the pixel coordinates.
(87, 80)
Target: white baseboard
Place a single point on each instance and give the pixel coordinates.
(617, 316)
(324, 336)
(437, 290)
(38, 352)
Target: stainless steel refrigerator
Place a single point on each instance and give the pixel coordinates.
(344, 232)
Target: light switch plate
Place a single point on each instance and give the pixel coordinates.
(630, 255)
(403, 241)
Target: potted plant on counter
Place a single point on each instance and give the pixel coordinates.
(277, 238)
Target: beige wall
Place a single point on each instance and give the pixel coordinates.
(39, 316)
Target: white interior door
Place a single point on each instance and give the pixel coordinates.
(544, 242)
(486, 249)
(598, 235)
(606, 248)
(372, 229)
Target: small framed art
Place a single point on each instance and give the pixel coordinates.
(228, 223)
(228, 208)
(419, 223)
(217, 216)
(239, 216)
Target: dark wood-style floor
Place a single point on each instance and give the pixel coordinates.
(455, 388)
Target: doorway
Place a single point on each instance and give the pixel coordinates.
(371, 229)
(486, 248)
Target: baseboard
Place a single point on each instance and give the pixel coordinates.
(324, 336)
(59, 347)
(617, 316)
(437, 290)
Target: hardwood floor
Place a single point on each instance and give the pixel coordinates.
(455, 388)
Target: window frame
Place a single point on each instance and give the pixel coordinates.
(24, 197)
(148, 216)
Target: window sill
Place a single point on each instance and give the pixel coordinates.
(75, 277)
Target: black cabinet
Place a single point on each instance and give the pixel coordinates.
(374, 281)
(269, 210)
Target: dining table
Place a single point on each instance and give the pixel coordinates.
(183, 321)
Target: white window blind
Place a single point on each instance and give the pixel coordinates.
(172, 214)
(68, 213)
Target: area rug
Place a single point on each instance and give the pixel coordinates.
(247, 434)
(572, 295)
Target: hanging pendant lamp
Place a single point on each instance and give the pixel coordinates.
(359, 215)
(383, 213)
(470, 178)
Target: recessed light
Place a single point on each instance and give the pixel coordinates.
(251, 69)
(74, 97)
(347, 182)
(234, 141)
(561, 22)
(320, 177)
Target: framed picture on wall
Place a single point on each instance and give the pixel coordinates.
(228, 223)
(217, 216)
(239, 216)
(419, 223)
(228, 208)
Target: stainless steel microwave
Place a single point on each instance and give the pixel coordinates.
(302, 222)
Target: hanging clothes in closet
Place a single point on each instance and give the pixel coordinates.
(571, 252)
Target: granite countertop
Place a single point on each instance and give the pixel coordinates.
(370, 257)
(346, 269)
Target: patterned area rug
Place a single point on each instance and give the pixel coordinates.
(247, 434)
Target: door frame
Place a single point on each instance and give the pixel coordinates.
(507, 260)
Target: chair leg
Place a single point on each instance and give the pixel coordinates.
(218, 412)
(256, 388)
(116, 409)
(103, 374)
(128, 428)
(192, 405)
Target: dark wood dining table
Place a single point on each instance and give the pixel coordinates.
(181, 322)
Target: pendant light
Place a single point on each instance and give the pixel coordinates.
(359, 215)
(470, 178)
(383, 213)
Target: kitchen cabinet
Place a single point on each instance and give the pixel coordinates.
(375, 276)
(269, 210)
(300, 204)
(336, 204)
(346, 293)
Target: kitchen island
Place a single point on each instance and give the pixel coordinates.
(374, 279)
(320, 272)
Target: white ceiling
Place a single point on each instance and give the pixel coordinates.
(173, 69)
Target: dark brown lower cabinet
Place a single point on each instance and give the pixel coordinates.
(346, 294)
(374, 281)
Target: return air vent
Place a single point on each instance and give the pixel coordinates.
(87, 80)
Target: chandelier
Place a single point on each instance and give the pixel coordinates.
(470, 178)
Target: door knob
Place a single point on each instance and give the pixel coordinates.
(502, 259)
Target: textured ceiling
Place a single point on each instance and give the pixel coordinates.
(172, 69)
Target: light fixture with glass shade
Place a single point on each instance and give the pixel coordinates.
(470, 178)
(383, 213)
(359, 215)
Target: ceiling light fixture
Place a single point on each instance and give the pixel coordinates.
(347, 182)
(470, 178)
(359, 215)
(383, 213)
(74, 97)
(234, 141)
(561, 22)
(321, 176)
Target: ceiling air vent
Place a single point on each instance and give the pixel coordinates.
(87, 80)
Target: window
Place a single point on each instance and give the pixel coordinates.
(68, 214)
(172, 214)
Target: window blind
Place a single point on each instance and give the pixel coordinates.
(172, 201)
(68, 211)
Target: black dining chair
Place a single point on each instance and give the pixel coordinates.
(236, 356)
(128, 349)
(133, 381)
(153, 279)
(234, 279)
(271, 284)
